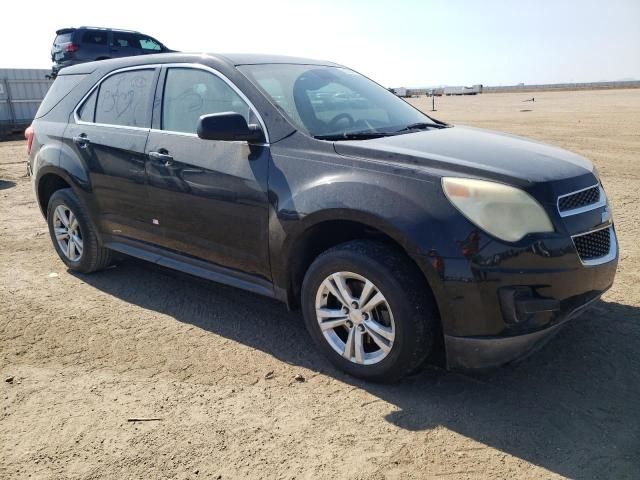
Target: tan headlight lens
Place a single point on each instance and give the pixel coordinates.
(503, 211)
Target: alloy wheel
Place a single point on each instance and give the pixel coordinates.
(67, 232)
(355, 318)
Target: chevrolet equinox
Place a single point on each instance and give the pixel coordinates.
(396, 234)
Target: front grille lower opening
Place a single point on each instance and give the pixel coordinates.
(593, 245)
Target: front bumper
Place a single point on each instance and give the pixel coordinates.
(503, 308)
(477, 353)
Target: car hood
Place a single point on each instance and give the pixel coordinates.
(466, 150)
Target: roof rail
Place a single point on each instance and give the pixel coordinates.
(112, 29)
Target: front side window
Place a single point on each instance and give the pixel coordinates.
(125, 99)
(334, 102)
(125, 40)
(191, 93)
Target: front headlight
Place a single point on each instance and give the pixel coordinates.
(503, 211)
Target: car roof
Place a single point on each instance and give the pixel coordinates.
(232, 59)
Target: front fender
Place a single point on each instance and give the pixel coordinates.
(405, 208)
(340, 198)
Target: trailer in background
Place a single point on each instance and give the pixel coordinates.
(453, 91)
(463, 90)
(400, 92)
(21, 92)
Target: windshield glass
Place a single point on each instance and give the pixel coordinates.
(329, 102)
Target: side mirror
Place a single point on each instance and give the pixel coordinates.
(228, 126)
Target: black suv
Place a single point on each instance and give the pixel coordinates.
(309, 183)
(86, 44)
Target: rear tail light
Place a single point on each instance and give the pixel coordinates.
(29, 133)
(71, 47)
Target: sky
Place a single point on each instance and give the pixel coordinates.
(397, 43)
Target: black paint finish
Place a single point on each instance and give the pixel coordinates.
(246, 214)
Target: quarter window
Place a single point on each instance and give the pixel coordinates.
(191, 93)
(87, 111)
(63, 85)
(125, 99)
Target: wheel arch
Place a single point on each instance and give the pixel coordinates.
(326, 229)
(48, 182)
(323, 233)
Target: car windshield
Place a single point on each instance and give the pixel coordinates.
(335, 103)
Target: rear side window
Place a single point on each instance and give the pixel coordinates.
(125, 99)
(60, 89)
(94, 37)
(190, 93)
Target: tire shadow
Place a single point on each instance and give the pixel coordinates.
(5, 184)
(572, 408)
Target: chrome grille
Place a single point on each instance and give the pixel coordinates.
(593, 245)
(579, 199)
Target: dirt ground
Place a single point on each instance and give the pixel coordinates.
(80, 355)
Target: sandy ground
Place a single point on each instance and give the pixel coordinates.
(88, 352)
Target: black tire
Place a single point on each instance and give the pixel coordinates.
(94, 256)
(406, 292)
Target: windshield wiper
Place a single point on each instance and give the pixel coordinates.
(366, 135)
(422, 126)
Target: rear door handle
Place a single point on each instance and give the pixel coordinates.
(81, 140)
(161, 157)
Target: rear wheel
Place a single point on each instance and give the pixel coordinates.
(369, 310)
(73, 235)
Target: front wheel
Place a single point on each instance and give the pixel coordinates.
(369, 310)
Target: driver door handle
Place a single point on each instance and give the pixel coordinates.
(161, 157)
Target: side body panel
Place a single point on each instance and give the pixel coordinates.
(114, 159)
(209, 198)
(210, 201)
(113, 155)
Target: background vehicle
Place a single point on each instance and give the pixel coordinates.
(307, 182)
(86, 44)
